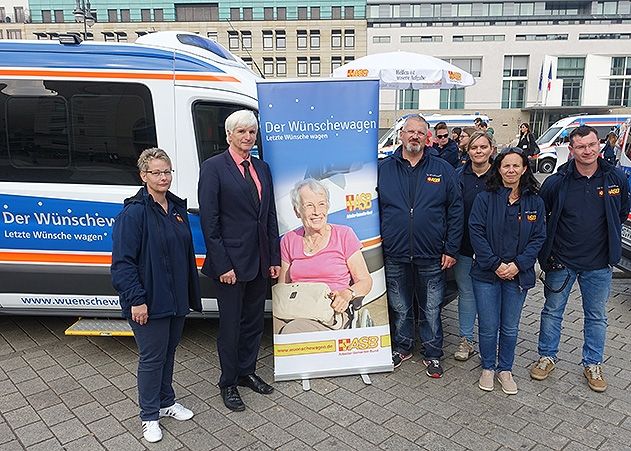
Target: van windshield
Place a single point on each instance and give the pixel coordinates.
(548, 135)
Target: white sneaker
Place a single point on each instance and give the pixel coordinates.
(177, 411)
(151, 431)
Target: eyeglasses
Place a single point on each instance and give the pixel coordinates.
(506, 150)
(414, 132)
(166, 173)
(442, 136)
(590, 146)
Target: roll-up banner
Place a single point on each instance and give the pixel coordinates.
(320, 140)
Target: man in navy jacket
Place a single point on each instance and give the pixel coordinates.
(238, 218)
(421, 226)
(587, 201)
(446, 147)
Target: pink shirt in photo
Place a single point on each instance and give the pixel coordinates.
(327, 266)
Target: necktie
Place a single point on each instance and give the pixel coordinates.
(254, 192)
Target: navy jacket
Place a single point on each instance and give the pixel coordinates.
(486, 225)
(450, 152)
(616, 194)
(139, 262)
(237, 235)
(471, 185)
(425, 222)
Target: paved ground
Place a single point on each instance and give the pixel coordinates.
(60, 392)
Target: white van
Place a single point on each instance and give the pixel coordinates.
(623, 155)
(73, 120)
(390, 140)
(553, 143)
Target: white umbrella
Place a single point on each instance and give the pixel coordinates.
(405, 70)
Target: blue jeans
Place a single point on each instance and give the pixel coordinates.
(466, 299)
(499, 311)
(404, 281)
(595, 288)
(156, 343)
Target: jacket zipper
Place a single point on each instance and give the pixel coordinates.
(411, 234)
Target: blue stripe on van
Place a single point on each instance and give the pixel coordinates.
(86, 56)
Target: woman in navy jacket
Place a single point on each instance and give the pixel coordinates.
(155, 275)
(507, 230)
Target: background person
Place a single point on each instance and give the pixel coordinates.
(472, 178)
(527, 142)
(455, 134)
(587, 201)
(609, 150)
(155, 275)
(447, 148)
(421, 226)
(321, 252)
(238, 219)
(507, 229)
(465, 134)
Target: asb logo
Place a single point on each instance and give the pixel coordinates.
(357, 73)
(357, 343)
(361, 201)
(454, 76)
(433, 179)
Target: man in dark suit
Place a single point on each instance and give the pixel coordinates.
(238, 218)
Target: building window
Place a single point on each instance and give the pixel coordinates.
(607, 8)
(59, 16)
(18, 11)
(268, 40)
(409, 39)
(349, 39)
(515, 66)
(247, 14)
(302, 13)
(246, 40)
(592, 36)
(336, 39)
(281, 66)
(112, 15)
(145, 15)
(268, 66)
(14, 34)
(301, 42)
(125, 16)
(315, 65)
(381, 39)
(248, 62)
(197, 13)
(268, 13)
(348, 59)
(314, 39)
(302, 66)
(281, 40)
(158, 15)
(478, 37)
(3, 15)
(541, 37)
(462, 9)
(513, 93)
(281, 13)
(471, 65)
(492, 9)
(571, 71)
(315, 12)
(349, 12)
(46, 16)
(452, 99)
(408, 99)
(233, 40)
(524, 9)
(336, 61)
(336, 12)
(235, 14)
(213, 35)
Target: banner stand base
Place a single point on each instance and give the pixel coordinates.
(306, 383)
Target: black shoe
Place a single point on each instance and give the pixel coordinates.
(232, 398)
(255, 383)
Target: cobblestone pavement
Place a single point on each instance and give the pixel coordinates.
(59, 392)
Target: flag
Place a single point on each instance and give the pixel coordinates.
(541, 79)
(550, 78)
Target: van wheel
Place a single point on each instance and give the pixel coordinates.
(547, 166)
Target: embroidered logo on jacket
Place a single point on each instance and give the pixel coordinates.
(434, 178)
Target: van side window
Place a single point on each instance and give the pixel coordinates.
(210, 132)
(78, 132)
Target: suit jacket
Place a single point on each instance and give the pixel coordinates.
(237, 236)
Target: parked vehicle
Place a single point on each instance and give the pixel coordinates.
(554, 141)
(623, 154)
(390, 140)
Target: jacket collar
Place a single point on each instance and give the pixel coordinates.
(569, 168)
(143, 196)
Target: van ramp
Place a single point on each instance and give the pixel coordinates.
(100, 327)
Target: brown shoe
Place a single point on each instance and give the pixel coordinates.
(595, 378)
(542, 368)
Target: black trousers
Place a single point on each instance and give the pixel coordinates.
(241, 309)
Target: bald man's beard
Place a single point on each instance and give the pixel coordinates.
(414, 147)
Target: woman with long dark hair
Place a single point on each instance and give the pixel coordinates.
(507, 230)
(527, 142)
